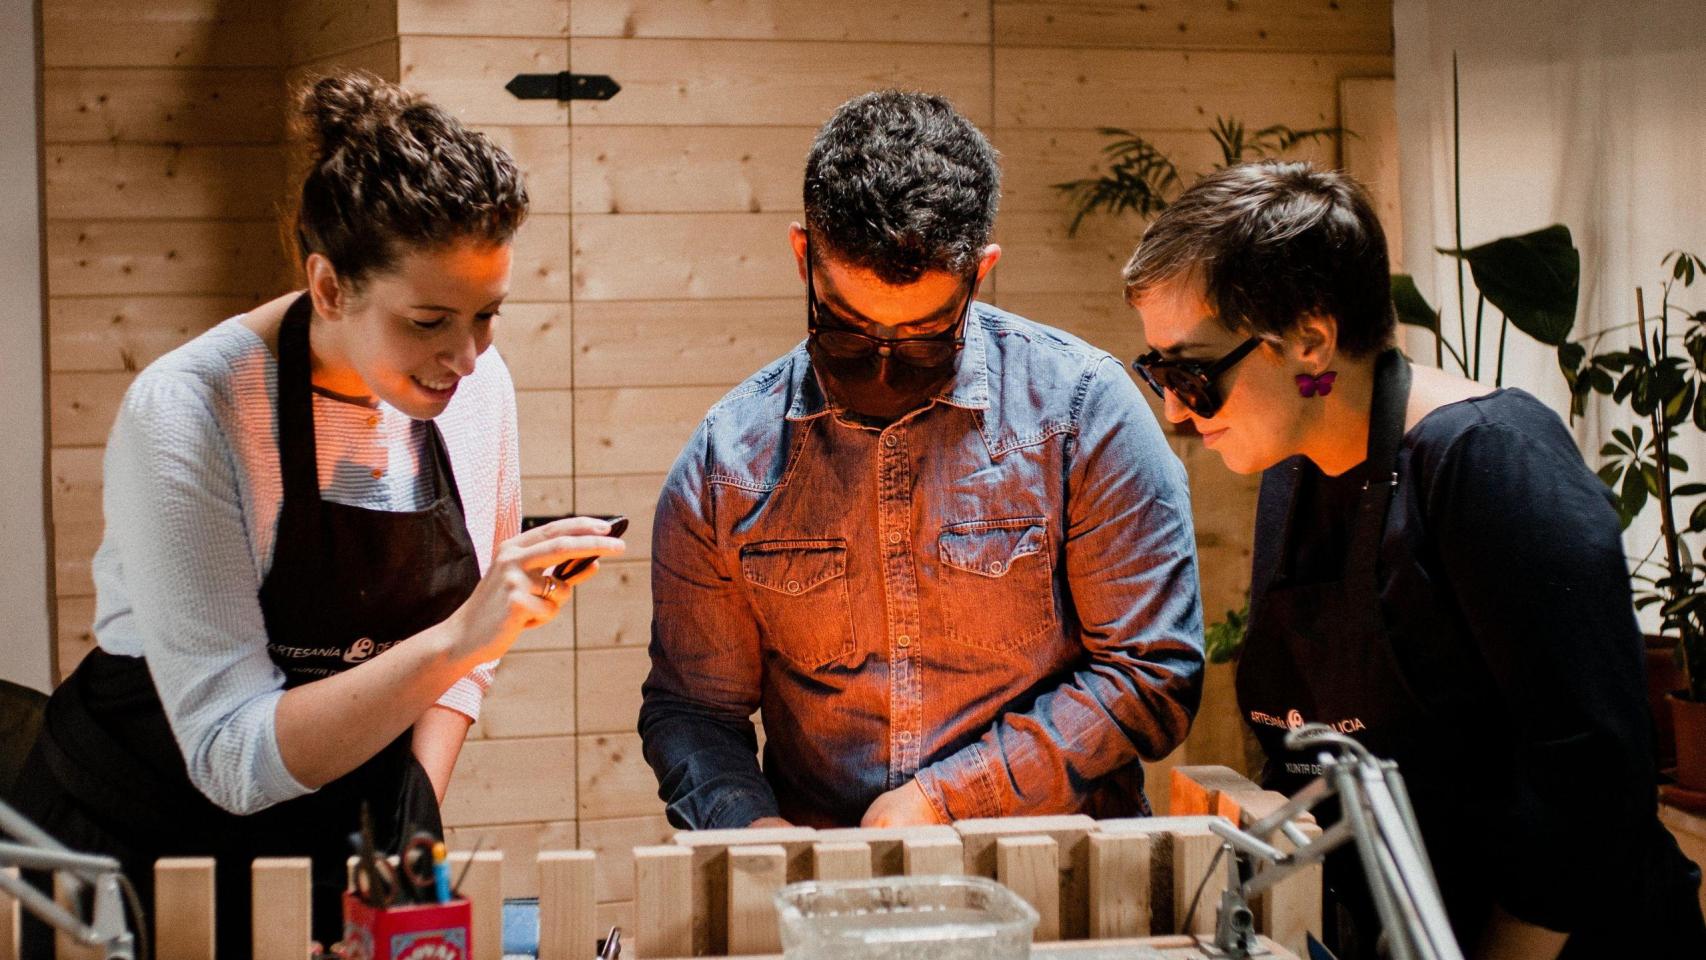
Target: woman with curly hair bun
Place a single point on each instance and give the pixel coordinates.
(311, 561)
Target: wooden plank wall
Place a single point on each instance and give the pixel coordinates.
(653, 274)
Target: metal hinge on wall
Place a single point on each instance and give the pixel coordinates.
(562, 86)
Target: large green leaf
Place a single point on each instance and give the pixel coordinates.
(1412, 307)
(1533, 279)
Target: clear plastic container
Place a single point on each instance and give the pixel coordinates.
(905, 918)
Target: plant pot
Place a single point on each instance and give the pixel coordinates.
(1690, 719)
(1663, 676)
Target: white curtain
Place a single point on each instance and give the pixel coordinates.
(1590, 113)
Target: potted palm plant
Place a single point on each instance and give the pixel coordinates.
(1662, 381)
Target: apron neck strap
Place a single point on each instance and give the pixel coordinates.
(1385, 437)
(298, 457)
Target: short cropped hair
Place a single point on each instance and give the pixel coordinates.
(1273, 242)
(900, 183)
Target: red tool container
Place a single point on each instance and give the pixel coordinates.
(412, 931)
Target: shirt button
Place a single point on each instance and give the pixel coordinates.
(894, 536)
(377, 473)
(994, 566)
(793, 586)
(906, 736)
(903, 641)
(891, 441)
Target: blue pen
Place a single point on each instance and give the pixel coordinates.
(441, 872)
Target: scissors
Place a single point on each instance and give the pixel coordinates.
(381, 885)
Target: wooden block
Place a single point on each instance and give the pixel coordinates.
(844, 860)
(1120, 887)
(712, 82)
(615, 780)
(483, 886)
(637, 429)
(546, 422)
(80, 33)
(162, 106)
(664, 903)
(125, 181)
(183, 908)
(1362, 26)
(615, 841)
(521, 844)
(661, 257)
(10, 935)
(654, 169)
(932, 856)
(1198, 791)
(955, 21)
(236, 258)
(491, 18)
(1180, 853)
(1030, 867)
(65, 948)
(282, 918)
(524, 780)
(466, 75)
(533, 695)
(536, 340)
(712, 343)
(1172, 89)
(1070, 833)
(615, 608)
(755, 874)
(125, 334)
(711, 872)
(608, 688)
(568, 905)
(888, 844)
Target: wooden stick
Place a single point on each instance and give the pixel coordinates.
(482, 884)
(663, 902)
(183, 908)
(568, 905)
(9, 917)
(932, 856)
(846, 860)
(755, 874)
(1030, 867)
(1119, 885)
(283, 919)
(711, 875)
(1069, 832)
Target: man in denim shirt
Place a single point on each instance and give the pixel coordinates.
(944, 549)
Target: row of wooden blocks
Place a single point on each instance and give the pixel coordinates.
(711, 893)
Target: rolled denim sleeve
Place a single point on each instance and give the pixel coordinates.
(1130, 560)
(696, 718)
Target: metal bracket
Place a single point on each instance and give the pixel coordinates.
(562, 86)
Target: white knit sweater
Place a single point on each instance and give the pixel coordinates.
(192, 490)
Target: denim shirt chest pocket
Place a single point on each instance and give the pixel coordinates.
(997, 580)
(800, 595)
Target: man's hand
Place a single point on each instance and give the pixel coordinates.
(904, 806)
(763, 822)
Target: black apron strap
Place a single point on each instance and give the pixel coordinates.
(1385, 436)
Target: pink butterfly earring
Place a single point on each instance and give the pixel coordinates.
(1322, 385)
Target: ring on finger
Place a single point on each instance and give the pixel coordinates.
(549, 587)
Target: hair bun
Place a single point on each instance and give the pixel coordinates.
(348, 109)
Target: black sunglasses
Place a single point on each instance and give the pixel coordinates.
(843, 344)
(1190, 380)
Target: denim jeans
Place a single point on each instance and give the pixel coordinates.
(995, 595)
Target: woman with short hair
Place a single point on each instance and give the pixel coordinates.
(1437, 574)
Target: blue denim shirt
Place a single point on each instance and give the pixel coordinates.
(996, 595)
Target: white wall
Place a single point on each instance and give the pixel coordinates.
(25, 630)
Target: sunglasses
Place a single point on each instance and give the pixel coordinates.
(1193, 382)
(842, 344)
